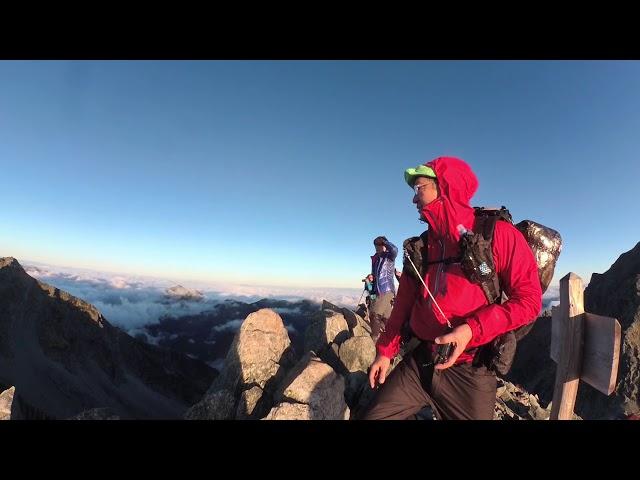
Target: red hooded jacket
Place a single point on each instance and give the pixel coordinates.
(460, 300)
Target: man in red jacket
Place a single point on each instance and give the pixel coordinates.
(455, 389)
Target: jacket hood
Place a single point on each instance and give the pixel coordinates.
(457, 184)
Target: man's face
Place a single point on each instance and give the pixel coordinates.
(426, 191)
(379, 248)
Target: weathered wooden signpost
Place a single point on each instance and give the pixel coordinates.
(585, 346)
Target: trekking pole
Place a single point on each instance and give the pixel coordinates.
(444, 349)
(366, 308)
(358, 304)
(427, 289)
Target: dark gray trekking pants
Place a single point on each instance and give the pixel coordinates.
(460, 392)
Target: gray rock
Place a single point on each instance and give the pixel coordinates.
(515, 403)
(256, 363)
(214, 406)
(357, 353)
(325, 327)
(249, 400)
(536, 412)
(330, 307)
(259, 355)
(351, 318)
(331, 356)
(361, 328)
(616, 293)
(291, 411)
(6, 400)
(316, 384)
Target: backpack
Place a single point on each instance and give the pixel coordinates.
(476, 259)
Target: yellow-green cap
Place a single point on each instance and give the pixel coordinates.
(411, 174)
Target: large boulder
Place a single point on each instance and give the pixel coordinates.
(257, 351)
(616, 293)
(256, 363)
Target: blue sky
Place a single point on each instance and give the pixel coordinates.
(282, 173)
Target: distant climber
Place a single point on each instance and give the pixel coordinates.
(370, 288)
(383, 270)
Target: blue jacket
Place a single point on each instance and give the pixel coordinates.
(383, 268)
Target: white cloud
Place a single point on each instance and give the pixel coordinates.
(231, 325)
(133, 301)
(552, 292)
(291, 329)
(119, 283)
(217, 364)
(282, 310)
(550, 296)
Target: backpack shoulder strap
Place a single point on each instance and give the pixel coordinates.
(485, 225)
(416, 249)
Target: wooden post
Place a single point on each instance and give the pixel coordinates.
(571, 343)
(584, 345)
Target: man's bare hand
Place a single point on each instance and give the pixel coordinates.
(460, 336)
(378, 370)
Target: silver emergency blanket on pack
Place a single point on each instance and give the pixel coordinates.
(546, 245)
